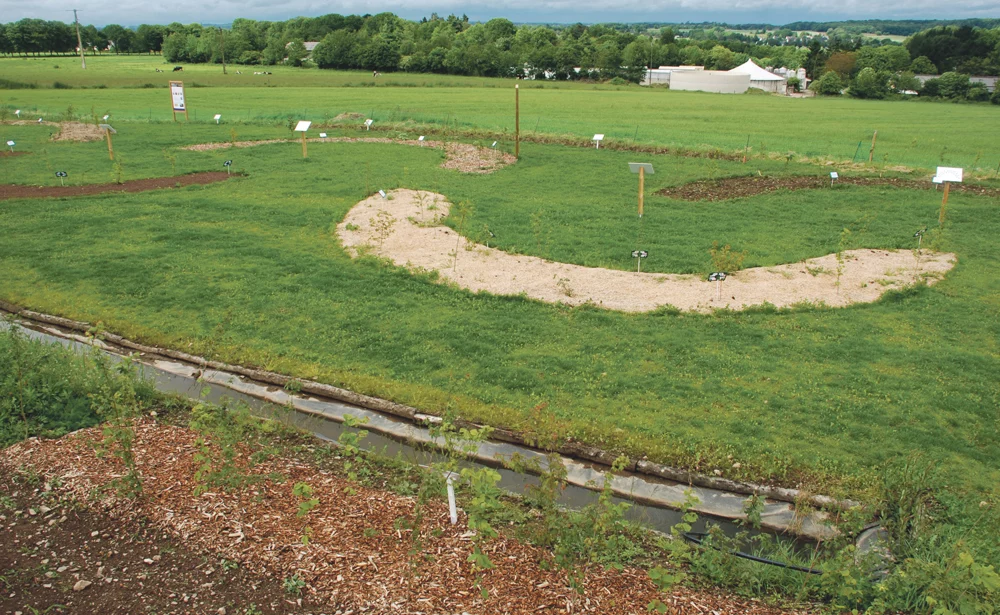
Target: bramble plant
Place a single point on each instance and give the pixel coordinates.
(293, 585)
(725, 259)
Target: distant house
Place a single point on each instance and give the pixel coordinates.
(989, 82)
(309, 45)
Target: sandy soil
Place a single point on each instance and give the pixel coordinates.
(463, 157)
(406, 229)
(68, 131)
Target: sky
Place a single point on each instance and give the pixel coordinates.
(134, 12)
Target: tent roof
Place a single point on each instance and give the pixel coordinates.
(756, 73)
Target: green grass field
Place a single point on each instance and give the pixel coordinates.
(916, 134)
(250, 271)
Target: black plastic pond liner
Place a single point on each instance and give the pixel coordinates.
(696, 537)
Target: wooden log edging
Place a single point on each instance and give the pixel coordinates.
(569, 449)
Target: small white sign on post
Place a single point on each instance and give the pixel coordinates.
(303, 126)
(106, 117)
(218, 116)
(382, 193)
(494, 146)
(421, 140)
(322, 135)
(597, 140)
(17, 112)
(11, 145)
(833, 177)
(368, 124)
(949, 174)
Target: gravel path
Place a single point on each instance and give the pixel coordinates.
(406, 228)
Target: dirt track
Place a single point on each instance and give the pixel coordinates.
(9, 191)
(740, 187)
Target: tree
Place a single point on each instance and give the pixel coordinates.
(336, 50)
(995, 99)
(842, 63)
(923, 66)
(297, 52)
(870, 83)
(667, 36)
(829, 84)
(978, 92)
(953, 85)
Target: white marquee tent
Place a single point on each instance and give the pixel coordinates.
(762, 79)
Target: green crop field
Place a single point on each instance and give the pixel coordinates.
(916, 134)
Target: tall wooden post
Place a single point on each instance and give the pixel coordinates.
(79, 41)
(517, 121)
(111, 151)
(304, 154)
(871, 152)
(944, 203)
(642, 186)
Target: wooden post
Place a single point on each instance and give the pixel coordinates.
(111, 151)
(871, 152)
(304, 154)
(944, 203)
(170, 92)
(642, 184)
(517, 121)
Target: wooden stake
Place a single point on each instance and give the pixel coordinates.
(517, 121)
(111, 151)
(871, 152)
(642, 184)
(944, 203)
(745, 149)
(304, 154)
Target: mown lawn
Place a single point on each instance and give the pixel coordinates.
(250, 271)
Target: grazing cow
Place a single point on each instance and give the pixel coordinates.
(178, 68)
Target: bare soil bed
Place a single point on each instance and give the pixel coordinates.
(463, 157)
(407, 229)
(740, 187)
(50, 544)
(9, 154)
(78, 131)
(11, 191)
(361, 556)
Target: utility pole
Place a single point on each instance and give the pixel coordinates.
(222, 33)
(79, 41)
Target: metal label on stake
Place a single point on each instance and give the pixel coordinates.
(494, 146)
(218, 116)
(17, 112)
(639, 255)
(322, 135)
(382, 193)
(717, 277)
(228, 164)
(368, 124)
(61, 175)
(11, 145)
(597, 140)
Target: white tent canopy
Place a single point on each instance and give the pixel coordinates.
(760, 78)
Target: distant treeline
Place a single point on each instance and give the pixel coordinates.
(499, 48)
(884, 26)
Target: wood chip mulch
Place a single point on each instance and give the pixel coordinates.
(740, 187)
(360, 556)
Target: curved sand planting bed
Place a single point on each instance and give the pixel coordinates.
(463, 157)
(406, 228)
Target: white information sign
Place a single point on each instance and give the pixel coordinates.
(322, 135)
(303, 126)
(177, 95)
(833, 175)
(949, 174)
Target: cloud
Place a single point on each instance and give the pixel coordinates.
(133, 12)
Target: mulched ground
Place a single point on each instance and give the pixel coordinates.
(8, 191)
(360, 557)
(49, 545)
(739, 187)
(9, 154)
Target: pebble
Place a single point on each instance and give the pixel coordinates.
(81, 585)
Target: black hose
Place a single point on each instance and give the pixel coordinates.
(696, 537)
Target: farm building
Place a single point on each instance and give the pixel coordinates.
(735, 81)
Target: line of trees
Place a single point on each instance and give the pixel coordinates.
(38, 37)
